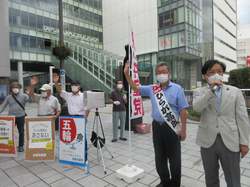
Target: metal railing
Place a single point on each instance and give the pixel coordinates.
(99, 63)
(246, 94)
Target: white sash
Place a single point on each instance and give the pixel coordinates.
(164, 108)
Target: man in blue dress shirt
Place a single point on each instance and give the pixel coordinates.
(166, 138)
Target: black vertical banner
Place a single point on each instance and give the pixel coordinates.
(135, 121)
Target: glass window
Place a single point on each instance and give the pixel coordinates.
(174, 40)
(166, 19)
(40, 43)
(13, 40)
(46, 21)
(32, 20)
(163, 2)
(25, 18)
(25, 41)
(181, 39)
(165, 42)
(32, 42)
(39, 22)
(170, 17)
(194, 19)
(76, 11)
(189, 38)
(181, 17)
(13, 16)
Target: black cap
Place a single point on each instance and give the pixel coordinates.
(75, 83)
(15, 84)
(57, 71)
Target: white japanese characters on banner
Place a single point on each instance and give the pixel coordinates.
(7, 140)
(72, 150)
(40, 133)
(136, 99)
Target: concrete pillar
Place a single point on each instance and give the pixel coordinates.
(20, 73)
(4, 40)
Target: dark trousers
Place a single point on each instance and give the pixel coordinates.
(167, 151)
(57, 124)
(20, 127)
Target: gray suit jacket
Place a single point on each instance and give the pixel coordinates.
(231, 122)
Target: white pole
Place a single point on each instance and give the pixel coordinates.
(129, 110)
(51, 77)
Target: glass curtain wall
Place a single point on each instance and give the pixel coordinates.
(88, 27)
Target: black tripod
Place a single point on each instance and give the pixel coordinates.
(97, 141)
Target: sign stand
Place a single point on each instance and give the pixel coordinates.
(73, 143)
(40, 138)
(7, 136)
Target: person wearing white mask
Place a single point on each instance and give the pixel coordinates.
(168, 108)
(74, 99)
(224, 129)
(16, 102)
(118, 98)
(48, 105)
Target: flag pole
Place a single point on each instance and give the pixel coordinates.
(129, 172)
(129, 87)
(129, 109)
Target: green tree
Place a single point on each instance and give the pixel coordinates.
(240, 78)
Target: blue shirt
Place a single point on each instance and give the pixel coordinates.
(174, 95)
(218, 93)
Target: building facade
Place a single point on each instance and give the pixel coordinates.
(188, 33)
(165, 31)
(243, 52)
(33, 32)
(120, 17)
(243, 43)
(220, 32)
(180, 39)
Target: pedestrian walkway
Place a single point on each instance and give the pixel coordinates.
(17, 172)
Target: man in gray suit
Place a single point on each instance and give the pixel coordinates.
(224, 128)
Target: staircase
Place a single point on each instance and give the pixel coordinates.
(94, 69)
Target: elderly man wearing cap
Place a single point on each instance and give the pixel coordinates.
(48, 105)
(74, 99)
(16, 102)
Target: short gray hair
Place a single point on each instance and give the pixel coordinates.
(160, 65)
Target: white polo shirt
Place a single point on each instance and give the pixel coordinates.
(75, 102)
(48, 106)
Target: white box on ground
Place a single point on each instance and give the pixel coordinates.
(130, 173)
(94, 99)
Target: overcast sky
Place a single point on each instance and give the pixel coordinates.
(244, 11)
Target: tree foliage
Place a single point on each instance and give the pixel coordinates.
(240, 78)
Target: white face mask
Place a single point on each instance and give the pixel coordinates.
(119, 86)
(162, 78)
(15, 90)
(215, 77)
(74, 89)
(44, 94)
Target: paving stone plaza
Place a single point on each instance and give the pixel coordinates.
(17, 172)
